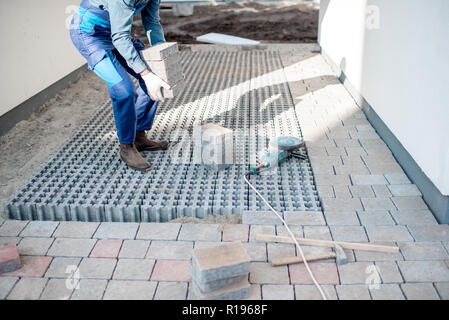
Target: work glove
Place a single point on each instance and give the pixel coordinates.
(154, 86)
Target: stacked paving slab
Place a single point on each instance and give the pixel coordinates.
(164, 61)
(221, 273)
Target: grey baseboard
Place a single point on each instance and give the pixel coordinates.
(435, 200)
(27, 108)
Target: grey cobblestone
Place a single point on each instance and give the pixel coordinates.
(90, 289)
(353, 292)
(27, 289)
(136, 249)
(171, 291)
(387, 292)
(6, 284)
(414, 217)
(159, 231)
(420, 291)
(171, 250)
(65, 247)
(277, 292)
(96, 268)
(388, 233)
(116, 230)
(39, 229)
(34, 246)
(72, 229)
(423, 251)
(56, 289)
(133, 269)
(130, 290)
(424, 271)
(310, 292)
(12, 228)
(200, 232)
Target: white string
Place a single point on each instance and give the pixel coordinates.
(323, 295)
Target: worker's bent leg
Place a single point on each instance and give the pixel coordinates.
(145, 107)
(123, 95)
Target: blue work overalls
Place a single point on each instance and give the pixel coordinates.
(90, 32)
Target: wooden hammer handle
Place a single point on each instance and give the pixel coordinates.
(298, 259)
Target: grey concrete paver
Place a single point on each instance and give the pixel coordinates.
(353, 292)
(133, 269)
(171, 291)
(158, 231)
(310, 292)
(57, 289)
(96, 268)
(6, 284)
(90, 289)
(62, 267)
(424, 271)
(130, 290)
(134, 249)
(116, 230)
(66, 247)
(73, 229)
(277, 292)
(39, 229)
(12, 228)
(34, 246)
(27, 289)
(420, 291)
(172, 250)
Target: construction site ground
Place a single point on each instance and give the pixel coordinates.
(364, 193)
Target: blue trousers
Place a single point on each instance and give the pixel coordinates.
(133, 109)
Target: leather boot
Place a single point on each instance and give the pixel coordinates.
(132, 157)
(144, 144)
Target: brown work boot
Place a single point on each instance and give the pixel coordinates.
(144, 144)
(132, 157)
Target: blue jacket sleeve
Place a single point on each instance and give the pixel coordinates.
(151, 22)
(121, 14)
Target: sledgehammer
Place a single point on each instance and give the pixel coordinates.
(339, 255)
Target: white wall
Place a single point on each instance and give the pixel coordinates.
(400, 64)
(36, 50)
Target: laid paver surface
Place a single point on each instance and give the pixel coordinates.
(365, 195)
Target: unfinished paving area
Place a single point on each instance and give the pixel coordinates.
(363, 192)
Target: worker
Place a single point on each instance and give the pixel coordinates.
(101, 31)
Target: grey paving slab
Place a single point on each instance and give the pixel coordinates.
(414, 217)
(130, 290)
(97, 268)
(317, 232)
(397, 178)
(297, 231)
(277, 292)
(34, 246)
(342, 192)
(12, 228)
(330, 204)
(200, 232)
(260, 217)
(305, 218)
(332, 180)
(280, 250)
(39, 229)
(378, 256)
(443, 290)
(133, 269)
(353, 292)
(356, 272)
(6, 284)
(387, 292)
(349, 233)
(159, 231)
(62, 267)
(430, 233)
(134, 249)
(388, 233)
(381, 191)
(420, 291)
(264, 273)
(424, 271)
(368, 179)
(66, 247)
(407, 203)
(377, 204)
(376, 218)
(74, 229)
(404, 190)
(310, 292)
(423, 251)
(171, 291)
(256, 251)
(116, 230)
(362, 191)
(57, 289)
(258, 229)
(389, 272)
(89, 289)
(172, 250)
(27, 289)
(9, 240)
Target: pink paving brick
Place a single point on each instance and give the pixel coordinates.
(106, 249)
(236, 232)
(171, 270)
(325, 273)
(255, 292)
(32, 266)
(9, 258)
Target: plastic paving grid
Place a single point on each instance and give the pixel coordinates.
(245, 91)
